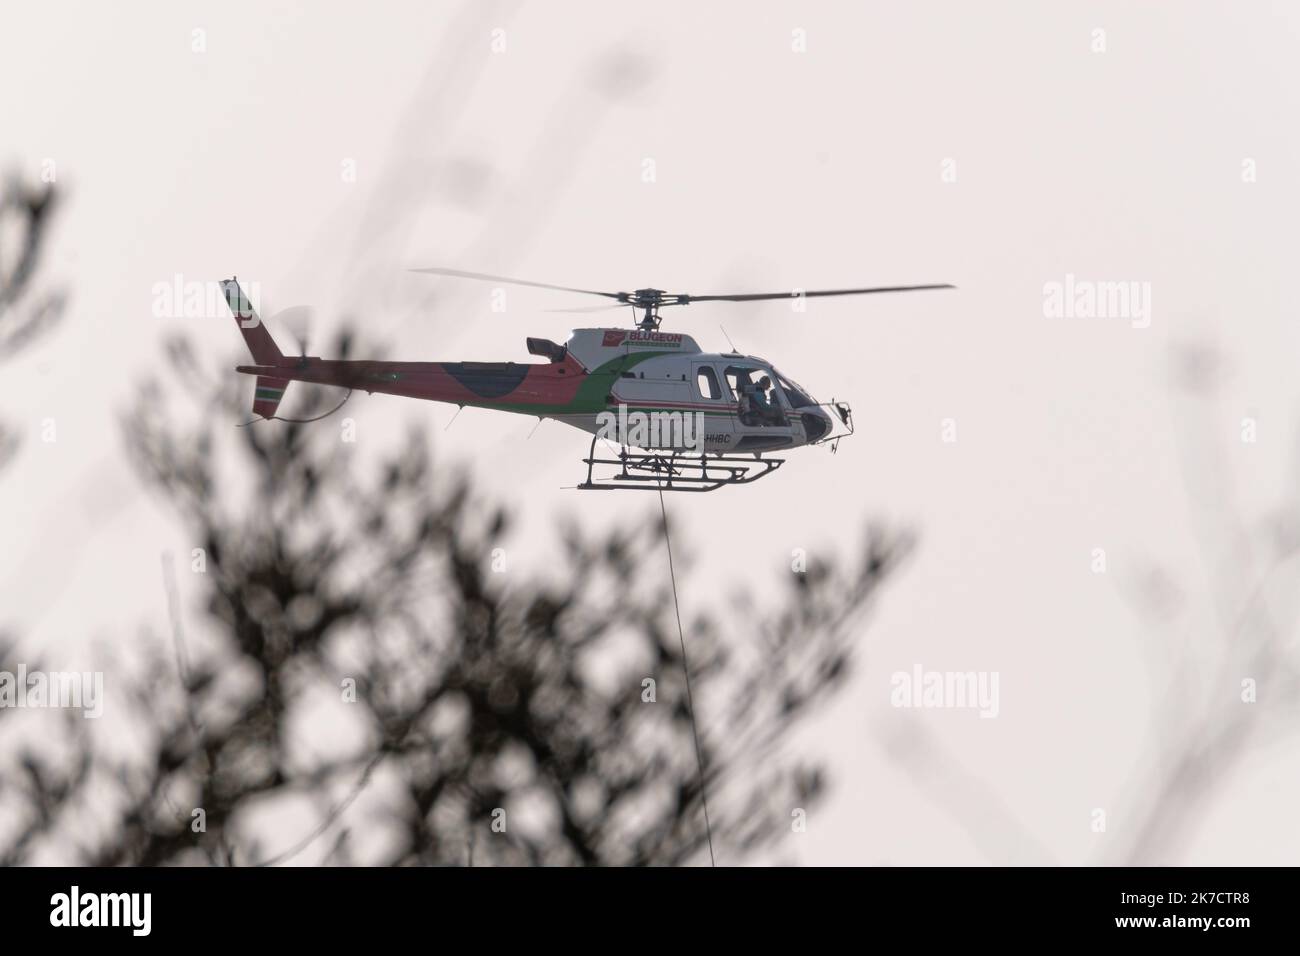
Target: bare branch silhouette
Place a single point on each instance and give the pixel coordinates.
(481, 698)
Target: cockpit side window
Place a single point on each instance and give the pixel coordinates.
(742, 379)
(757, 398)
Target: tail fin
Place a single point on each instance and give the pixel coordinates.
(258, 339)
(267, 397)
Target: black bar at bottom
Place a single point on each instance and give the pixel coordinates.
(335, 906)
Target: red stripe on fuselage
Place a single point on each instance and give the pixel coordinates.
(554, 383)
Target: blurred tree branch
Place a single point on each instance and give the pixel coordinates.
(25, 311)
(475, 692)
(1228, 693)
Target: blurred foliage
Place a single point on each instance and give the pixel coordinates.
(27, 308)
(475, 690)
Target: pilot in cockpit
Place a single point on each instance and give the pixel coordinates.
(764, 406)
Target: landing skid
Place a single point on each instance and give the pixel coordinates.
(675, 472)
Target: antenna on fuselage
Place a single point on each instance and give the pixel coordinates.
(728, 338)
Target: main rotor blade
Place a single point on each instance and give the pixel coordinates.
(460, 274)
(296, 320)
(590, 308)
(759, 296)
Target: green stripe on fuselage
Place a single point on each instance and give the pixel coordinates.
(592, 392)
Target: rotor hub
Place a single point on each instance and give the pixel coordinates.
(649, 300)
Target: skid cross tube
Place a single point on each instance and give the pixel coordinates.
(673, 471)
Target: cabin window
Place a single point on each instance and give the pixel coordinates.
(707, 381)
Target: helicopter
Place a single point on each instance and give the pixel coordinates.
(683, 419)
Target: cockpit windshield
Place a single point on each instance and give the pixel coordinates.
(797, 397)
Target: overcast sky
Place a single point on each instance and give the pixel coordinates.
(320, 150)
